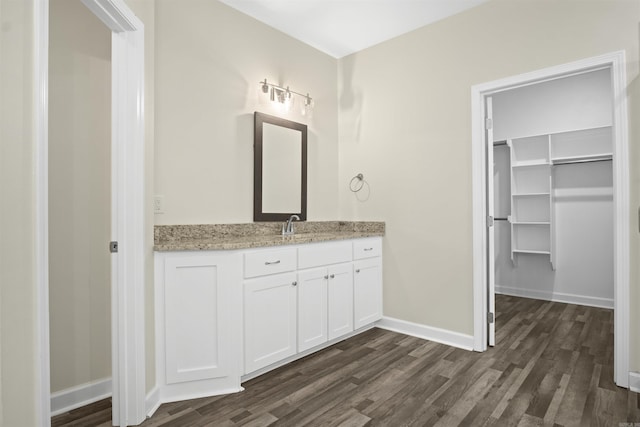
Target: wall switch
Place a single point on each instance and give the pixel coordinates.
(158, 204)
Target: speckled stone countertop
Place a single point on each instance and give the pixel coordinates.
(211, 237)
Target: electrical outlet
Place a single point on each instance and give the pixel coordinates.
(158, 204)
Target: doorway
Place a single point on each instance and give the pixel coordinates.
(127, 201)
(482, 229)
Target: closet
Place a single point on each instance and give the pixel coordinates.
(553, 190)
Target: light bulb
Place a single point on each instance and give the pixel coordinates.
(308, 106)
(288, 99)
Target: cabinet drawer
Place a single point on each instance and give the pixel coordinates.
(262, 263)
(367, 248)
(319, 254)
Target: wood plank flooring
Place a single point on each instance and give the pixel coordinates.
(552, 366)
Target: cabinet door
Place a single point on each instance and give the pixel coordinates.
(340, 300)
(367, 291)
(269, 320)
(312, 308)
(199, 317)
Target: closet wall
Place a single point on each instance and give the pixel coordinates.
(581, 194)
(80, 200)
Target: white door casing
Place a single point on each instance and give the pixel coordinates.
(491, 229)
(41, 164)
(616, 63)
(127, 174)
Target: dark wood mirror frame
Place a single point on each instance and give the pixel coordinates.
(258, 214)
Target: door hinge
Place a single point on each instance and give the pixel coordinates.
(113, 247)
(489, 317)
(488, 123)
(489, 221)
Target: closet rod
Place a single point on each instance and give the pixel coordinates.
(501, 219)
(499, 143)
(569, 162)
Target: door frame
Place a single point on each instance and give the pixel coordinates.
(614, 61)
(491, 228)
(127, 208)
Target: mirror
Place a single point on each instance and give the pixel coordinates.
(279, 169)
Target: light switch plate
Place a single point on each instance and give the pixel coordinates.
(158, 204)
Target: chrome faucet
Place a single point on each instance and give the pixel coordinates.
(287, 229)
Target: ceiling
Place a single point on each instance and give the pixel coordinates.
(342, 27)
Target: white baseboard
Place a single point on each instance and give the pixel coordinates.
(75, 397)
(634, 381)
(556, 297)
(430, 333)
(152, 401)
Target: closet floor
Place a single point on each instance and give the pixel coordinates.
(552, 365)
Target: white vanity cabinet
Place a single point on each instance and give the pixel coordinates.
(224, 316)
(367, 291)
(367, 281)
(312, 308)
(336, 289)
(270, 308)
(197, 323)
(340, 300)
(325, 304)
(325, 293)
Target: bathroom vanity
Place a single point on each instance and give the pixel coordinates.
(235, 301)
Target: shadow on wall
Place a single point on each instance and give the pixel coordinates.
(350, 100)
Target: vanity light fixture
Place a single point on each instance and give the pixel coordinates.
(284, 96)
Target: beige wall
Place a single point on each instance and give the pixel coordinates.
(18, 360)
(208, 62)
(80, 195)
(405, 118)
(404, 122)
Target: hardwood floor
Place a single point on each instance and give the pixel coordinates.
(552, 365)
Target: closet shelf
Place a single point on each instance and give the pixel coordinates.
(531, 164)
(531, 226)
(532, 174)
(531, 222)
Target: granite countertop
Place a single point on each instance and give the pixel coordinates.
(209, 237)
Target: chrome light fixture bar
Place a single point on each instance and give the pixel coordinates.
(284, 96)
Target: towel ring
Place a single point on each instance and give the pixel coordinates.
(354, 187)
